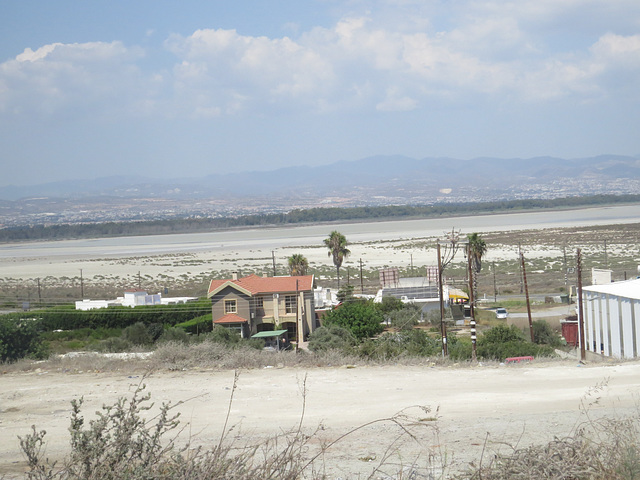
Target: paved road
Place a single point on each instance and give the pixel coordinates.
(562, 310)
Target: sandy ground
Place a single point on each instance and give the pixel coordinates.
(472, 409)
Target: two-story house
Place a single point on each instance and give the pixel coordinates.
(255, 304)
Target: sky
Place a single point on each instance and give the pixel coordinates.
(170, 89)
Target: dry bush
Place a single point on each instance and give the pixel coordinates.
(178, 356)
(598, 449)
(605, 450)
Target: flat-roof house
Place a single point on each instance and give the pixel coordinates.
(256, 304)
(133, 298)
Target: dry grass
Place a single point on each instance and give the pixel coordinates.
(207, 355)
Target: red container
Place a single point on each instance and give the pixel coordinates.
(570, 332)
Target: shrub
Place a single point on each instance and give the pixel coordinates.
(501, 342)
(405, 318)
(115, 345)
(362, 319)
(412, 343)
(544, 334)
(174, 334)
(19, 339)
(222, 335)
(331, 337)
(137, 334)
(460, 349)
(418, 343)
(155, 331)
(198, 325)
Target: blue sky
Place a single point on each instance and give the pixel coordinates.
(166, 89)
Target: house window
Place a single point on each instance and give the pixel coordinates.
(259, 305)
(290, 303)
(230, 306)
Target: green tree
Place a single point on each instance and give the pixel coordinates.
(298, 264)
(345, 294)
(389, 304)
(19, 339)
(362, 319)
(337, 245)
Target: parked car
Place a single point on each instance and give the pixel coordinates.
(501, 313)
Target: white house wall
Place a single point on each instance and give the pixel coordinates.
(610, 324)
(628, 326)
(590, 302)
(635, 310)
(613, 303)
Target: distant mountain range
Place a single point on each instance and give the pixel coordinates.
(386, 176)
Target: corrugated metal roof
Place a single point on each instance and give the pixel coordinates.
(627, 288)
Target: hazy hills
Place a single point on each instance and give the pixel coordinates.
(396, 176)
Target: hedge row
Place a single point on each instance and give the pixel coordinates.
(68, 318)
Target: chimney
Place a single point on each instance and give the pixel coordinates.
(234, 276)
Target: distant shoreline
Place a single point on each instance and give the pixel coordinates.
(302, 218)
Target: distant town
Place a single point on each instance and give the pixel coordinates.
(101, 209)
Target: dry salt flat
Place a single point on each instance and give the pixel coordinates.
(377, 244)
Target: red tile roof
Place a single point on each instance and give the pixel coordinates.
(230, 318)
(257, 285)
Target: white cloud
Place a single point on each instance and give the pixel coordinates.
(623, 50)
(231, 72)
(396, 102)
(376, 60)
(58, 77)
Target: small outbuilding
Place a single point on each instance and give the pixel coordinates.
(612, 318)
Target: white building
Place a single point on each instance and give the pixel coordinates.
(133, 298)
(612, 318)
(324, 298)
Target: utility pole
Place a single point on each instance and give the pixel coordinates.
(474, 356)
(273, 256)
(412, 264)
(606, 260)
(361, 282)
(39, 292)
(81, 286)
(139, 281)
(566, 276)
(521, 279)
(526, 290)
(443, 327)
(583, 353)
(495, 288)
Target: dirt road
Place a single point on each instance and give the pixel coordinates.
(472, 409)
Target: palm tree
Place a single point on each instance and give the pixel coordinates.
(477, 249)
(337, 245)
(298, 264)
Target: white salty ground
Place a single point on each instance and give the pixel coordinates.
(472, 409)
(378, 244)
